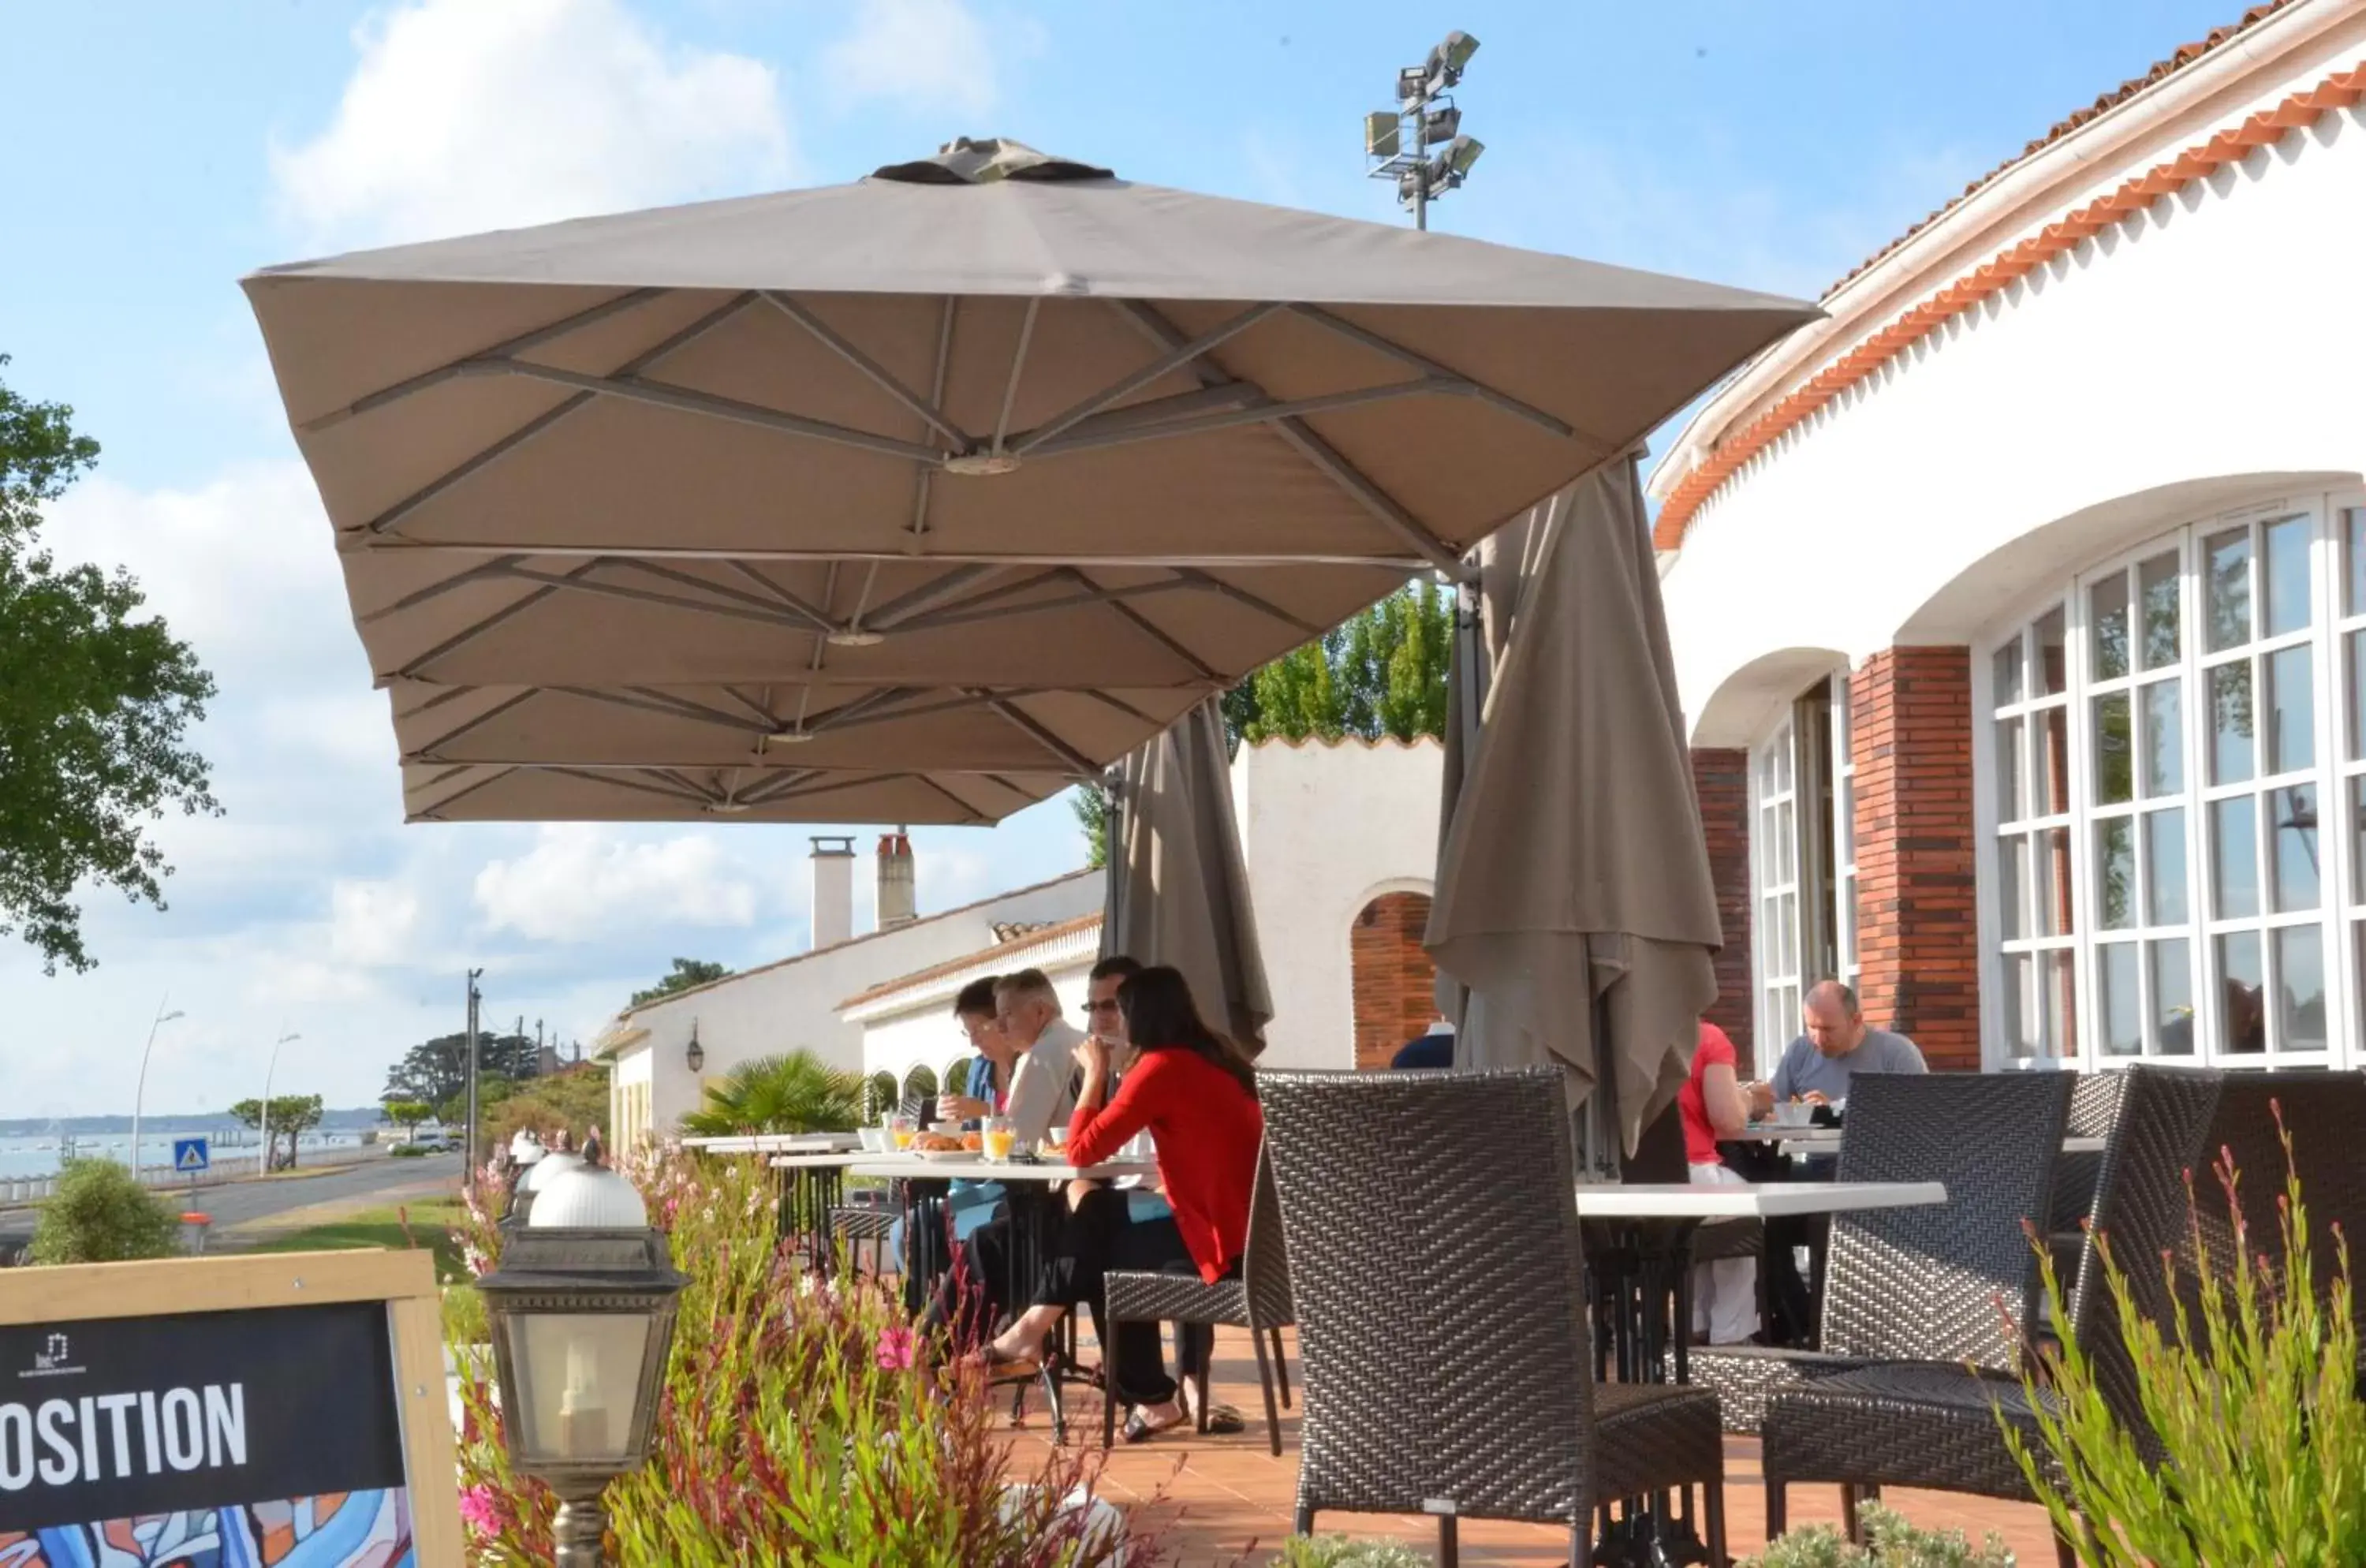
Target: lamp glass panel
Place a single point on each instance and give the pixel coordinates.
(578, 1376)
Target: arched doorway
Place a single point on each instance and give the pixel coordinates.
(1394, 984)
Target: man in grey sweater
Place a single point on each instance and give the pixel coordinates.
(1816, 1068)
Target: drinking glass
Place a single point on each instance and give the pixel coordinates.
(1000, 1135)
(901, 1131)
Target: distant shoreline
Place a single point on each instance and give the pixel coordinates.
(352, 1119)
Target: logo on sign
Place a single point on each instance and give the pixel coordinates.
(190, 1155)
(53, 1359)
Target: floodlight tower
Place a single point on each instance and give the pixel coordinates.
(1398, 142)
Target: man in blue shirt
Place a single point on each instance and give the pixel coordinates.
(1432, 1052)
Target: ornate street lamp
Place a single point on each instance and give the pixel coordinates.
(582, 1310)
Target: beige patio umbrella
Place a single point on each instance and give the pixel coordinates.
(1178, 888)
(1574, 894)
(988, 432)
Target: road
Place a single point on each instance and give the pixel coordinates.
(240, 1204)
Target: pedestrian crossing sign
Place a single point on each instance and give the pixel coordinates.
(190, 1156)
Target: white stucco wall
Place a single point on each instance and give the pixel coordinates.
(919, 1029)
(794, 1003)
(2202, 355)
(1325, 829)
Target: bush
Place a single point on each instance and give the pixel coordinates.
(2254, 1409)
(1891, 1542)
(575, 1099)
(797, 1424)
(101, 1215)
(1339, 1552)
(408, 1151)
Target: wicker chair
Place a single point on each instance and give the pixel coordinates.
(1258, 1301)
(1916, 1423)
(2094, 1109)
(1438, 1275)
(1919, 1283)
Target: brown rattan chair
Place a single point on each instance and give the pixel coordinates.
(2094, 1109)
(1920, 1283)
(1257, 1301)
(1438, 1275)
(1933, 1426)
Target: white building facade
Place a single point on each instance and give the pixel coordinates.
(2028, 592)
(908, 1023)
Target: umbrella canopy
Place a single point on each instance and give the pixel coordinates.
(1574, 893)
(1006, 437)
(1178, 889)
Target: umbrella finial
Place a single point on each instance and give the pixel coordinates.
(987, 160)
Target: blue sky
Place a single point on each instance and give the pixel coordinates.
(160, 152)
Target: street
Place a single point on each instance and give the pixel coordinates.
(243, 1202)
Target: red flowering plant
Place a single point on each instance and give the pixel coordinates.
(799, 1424)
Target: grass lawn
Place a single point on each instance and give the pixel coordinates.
(430, 1226)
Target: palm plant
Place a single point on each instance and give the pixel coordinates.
(794, 1093)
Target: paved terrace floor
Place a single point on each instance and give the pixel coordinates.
(1225, 1501)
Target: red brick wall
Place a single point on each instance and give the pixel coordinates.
(1394, 982)
(1721, 783)
(1917, 938)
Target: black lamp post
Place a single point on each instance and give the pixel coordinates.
(582, 1310)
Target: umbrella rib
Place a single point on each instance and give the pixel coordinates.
(1427, 366)
(646, 701)
(1243, 596)
(683, 400)
(772, 721)
(781, 596)
(927, 596)
(1018, 365)
(1042, 733)
(591, 776)
(368, 401)
(964, 615)
(485, 572)
(469, 633)
(870, 368)
(1266, 411)
(849, 714)
(460, 794)
(1165, 365)
(924, 479)
(1121, 705)
(776, 595)
(427, 753)
(670, 601)
(384, 522)
(773, 789)
(1173, 647)
(438, 696)
(969, 810)
(1371, 496)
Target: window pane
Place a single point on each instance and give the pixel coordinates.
(2234, 858)
(2158, 582)
(2115, 872)
(2164, 738)
(2242, 1026)
(1790, 933)
(2230, 722)
(2291, 710)
(2293, 817)
(2022, 1033)
(2012, 876)
(1782, 749)
(2172, 997)
(2012, 774)
(2226, 589)
(2353, 552)
(2115, 767)
(2354, 703)
(2054, 913)
(2053, 673)
(2122, 1005)
(1786, 844)
(2300, 989)
(2285, 544)
(2107, 619)
(2054, 971)
(2165, 895)
(2008, 672)
(2053, 762)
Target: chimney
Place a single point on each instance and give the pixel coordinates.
(897, 896)
(833, 891)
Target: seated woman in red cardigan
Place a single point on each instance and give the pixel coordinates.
(1195, 1091)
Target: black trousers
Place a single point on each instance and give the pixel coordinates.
(1794, 1300)
(1102, 1235)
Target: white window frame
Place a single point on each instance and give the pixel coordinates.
(2340, 914)
(1778, 988)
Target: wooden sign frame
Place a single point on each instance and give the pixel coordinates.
(178, 1287)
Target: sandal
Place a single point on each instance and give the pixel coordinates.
(1138, 1429)
(1223, 1421)
(1005, 1365)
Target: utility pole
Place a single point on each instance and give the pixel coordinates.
(470, 1155)
(1397, 141)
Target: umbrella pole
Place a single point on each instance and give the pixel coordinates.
(1599, 1152)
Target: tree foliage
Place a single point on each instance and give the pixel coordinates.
(292, 1116)
(95, 703)
(687, 973)
(794, 1093)
(408, 1113)
(436, 1070)
(575, 1099)
(100, 1214)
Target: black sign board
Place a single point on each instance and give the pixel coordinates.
(110, 1418)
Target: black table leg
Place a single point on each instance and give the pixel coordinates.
(1643, 1277)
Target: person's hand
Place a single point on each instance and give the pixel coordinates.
(1093, 1055)
(962, 1108)
(1815, 1097)
(1761, 1099)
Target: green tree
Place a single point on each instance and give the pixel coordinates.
(1380, 675)
(100, 1214)
(436, 1070)
(491, 1093)
(576, 1099)
(408, 1114)
(687, 972)
(1091, 805)
(292, 1116)
(794, 1093)
(95, 702)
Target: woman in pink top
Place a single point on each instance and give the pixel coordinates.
(1725, 1294)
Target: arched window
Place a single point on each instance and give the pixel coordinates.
(1803, 860)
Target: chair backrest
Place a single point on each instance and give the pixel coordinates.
(1440, 1283)
(1264, 1262)
(921, 1108)
(1922, 1284)
(2094, 1111)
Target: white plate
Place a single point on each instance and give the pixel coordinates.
(944, 1157)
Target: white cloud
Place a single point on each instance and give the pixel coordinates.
(580, 881)
(469, 115)
(919, 54)
(372, 924)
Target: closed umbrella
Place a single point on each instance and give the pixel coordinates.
(1178, 889)
(986, 468)
(1574, 894)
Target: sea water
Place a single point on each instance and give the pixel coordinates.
(37, 1155)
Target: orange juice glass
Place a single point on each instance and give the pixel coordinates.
(1000, 1135)
(901, 1131)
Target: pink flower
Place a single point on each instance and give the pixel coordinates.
(896, 1350)
(477, 1509)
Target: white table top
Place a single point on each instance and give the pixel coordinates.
(1815, 1140)
(837, 1161)
(1759, 1201)
(911, 1167)
(767, 1144)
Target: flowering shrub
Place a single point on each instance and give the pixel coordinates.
(1339, 1552)
(800, 1423)
(1890, 1542)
